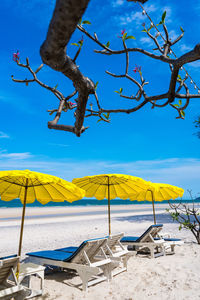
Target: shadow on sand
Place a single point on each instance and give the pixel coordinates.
(160, 218)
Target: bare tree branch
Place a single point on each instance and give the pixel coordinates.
(66, 16)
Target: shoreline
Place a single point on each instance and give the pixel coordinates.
(13, 214)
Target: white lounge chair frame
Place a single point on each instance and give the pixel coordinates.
(170, 245)
(85, 263)
(148, 242)
(10, 288)
(117, 252)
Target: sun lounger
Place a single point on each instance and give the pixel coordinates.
(152, 239)
(83, 260)
(170, 243)
(9, 286)
(146, 242)
(113, 249)
(116, 251)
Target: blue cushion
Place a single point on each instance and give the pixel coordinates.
(60, 254)
(68, 249)
(52, 254)
(149, 230)
(168, 239)
(11, 256)
(137, 239)
(75, 250)
(172, 240)
(130, 239)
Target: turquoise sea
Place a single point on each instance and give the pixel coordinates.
(89, 202)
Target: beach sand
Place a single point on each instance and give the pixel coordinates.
(167, 277)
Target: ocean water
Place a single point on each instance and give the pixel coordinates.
(88, 202)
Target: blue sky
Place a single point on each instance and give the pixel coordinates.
(151, 144)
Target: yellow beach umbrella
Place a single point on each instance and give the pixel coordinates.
(111, 186)
(158, 192)
(28, 186)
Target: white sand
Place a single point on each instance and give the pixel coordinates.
(170, 277)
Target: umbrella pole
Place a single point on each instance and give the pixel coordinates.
(154, 214)
(109, 225)
(22, 223)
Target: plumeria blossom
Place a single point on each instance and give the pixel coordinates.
(16, 56)
(71, 103)
(122, 33)
(137, 69)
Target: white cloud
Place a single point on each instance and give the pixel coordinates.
(117, 3)
(14, 156)
(147, 41)
(4, 135)
(138, 17)
(173, 35)
(183, 172)
(185, 48)
(150, 8)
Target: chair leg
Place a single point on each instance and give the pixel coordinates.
(152, 252)
(108, 268)
(124, 260)
(85, 276)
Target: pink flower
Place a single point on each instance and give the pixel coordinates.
(122, 33)
(71, 103)
(137, 69)
(16, 56)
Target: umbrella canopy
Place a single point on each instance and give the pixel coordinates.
(43, 187)
(28, 186)
(158, 192)
(111, 186)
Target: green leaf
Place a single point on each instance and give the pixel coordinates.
(181, 28)
(55, 87)
(176, 105)
(124, 36)
(99, 120)
(106, 115)
(107, 44)
(182, 113)
(144, 30)
(80, 21)
(86, 22)
(180, 102)
(74, 44)
(163, 17)
(120, 90)
(80, 43)
(117, 92)
(150, 28)
(179, 78)
(180, 227)
(96, 85)
(129, 37)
